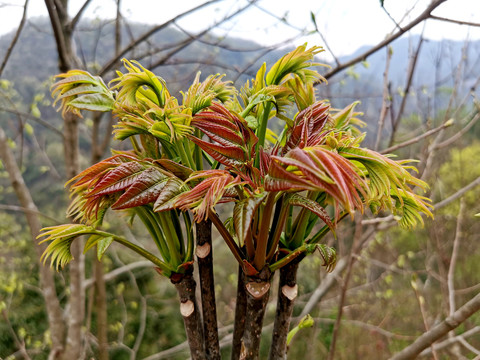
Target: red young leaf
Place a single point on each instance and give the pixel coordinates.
(179, 170)
(307, 127)
(118, 179)
(235, 140)
(316, 168)
(205, 195)
(144, 190)
(226, 155)
(243, 213)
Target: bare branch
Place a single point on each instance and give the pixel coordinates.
(439, 330)
(190, 40)
(77, 17)
(458, 22)
(59, 35)
(411, 71)
(54, 311)
(422, 17)
(417, 138)
(386, 103)
(149, 33)
(15, 38)
(119, 271)
(447, 343)
(453, 259)
(32, 211)
(460, 133)
(458, 194)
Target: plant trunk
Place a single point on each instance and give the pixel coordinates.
(101, 308)
(47, 279)
(257, 291)
(185, 286)
(287, 293)
(240, 310)
(204, 253)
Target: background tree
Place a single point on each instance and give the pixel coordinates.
(423, 129)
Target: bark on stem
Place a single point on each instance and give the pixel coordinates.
(204, 253)
(240, 310)
(191, 318)
(287, 293)
(257, 291)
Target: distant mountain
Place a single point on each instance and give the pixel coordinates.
(33, 62)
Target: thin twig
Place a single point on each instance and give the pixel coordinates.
(386, 103)
(458, 22)
(419, 19)
(459, 134)
(417, 138)
(458, 194)
(77, 17)
(439, 330)
(411, 71)
(31, 211)
(149, 33)
(447, 343)
(15, 38)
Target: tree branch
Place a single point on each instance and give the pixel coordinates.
(458, 22)
(440, 330)
(417, 138)
(77, 17)
(458, 194)
(15, 38)
(108, 66)
(422, 17)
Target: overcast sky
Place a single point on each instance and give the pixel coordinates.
(345, 24)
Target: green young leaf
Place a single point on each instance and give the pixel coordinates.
(92, 102)
(296, 62)
(328, 254)
(61, 238)
(102, 242)
(305, 322)
(103, 245)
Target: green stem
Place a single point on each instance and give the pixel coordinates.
(262, 240)
(279, 225)
(155, 232)
(197, 153)
(170, 235)
(237, 253)
(139, 250)
(287, 259)
(189, 232)
(300, 225)
(174, 215)
(324, 230)
(184, 156)
(261, 132)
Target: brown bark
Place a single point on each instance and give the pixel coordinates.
(191, 317)
(100, 289)
(240, 309)
(287, 293)
(101, 309)
(47, 281)
(258, 291)
(207, 288)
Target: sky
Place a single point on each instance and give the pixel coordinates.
(346, 25)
